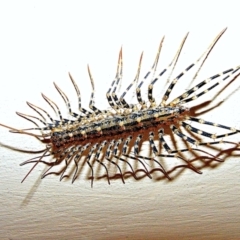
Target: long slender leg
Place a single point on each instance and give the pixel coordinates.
(97, 156)
(66, 100)
(91, 151)
(122, 100)
(92, 102)
(60, 157)
(70, 154)
(24, 131)
(183, 136)
(77, 158)
(167, 148)
(116, 155)
(126, 145)
(52, 104)
(26, 116)
(156, 152)
(108, 156)
(214, 42)
(32, 106)
(174, 153)
(40, 158)
(182, 98)
(114, 84)
(173, 62)
(152, 70)
(175, 80)
(213, 136)
(82, 110)
(136, 149)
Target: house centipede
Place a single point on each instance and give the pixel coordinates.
(117, 135)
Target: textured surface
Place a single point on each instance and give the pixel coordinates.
(39, 44)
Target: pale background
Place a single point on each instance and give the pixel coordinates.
(40, 41)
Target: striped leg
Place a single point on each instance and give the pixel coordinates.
(156, 153)
(65, 99)
(52, 104)
(135, 157)
(91, 152)
(214, 42)
(122, 100)
(49, 126)
(111, 96)
(97, 158)
(84, 111)
(167, 148)
(136, 148)
(174, 153)
(182, 98)
(175, 80)
(203, 133)
(213, 136)
(63, 156)
(108, 157)
(68, 158)
(77, 159)
(153, 71)
(41, 137)
(117, 155)
(92, 102)
(173, 62)
(176, 131)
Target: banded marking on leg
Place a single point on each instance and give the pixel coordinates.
(54, 106)
(126, 145)
(77, 158)
(169, 150)
(122, 100)
(91, 152)
(92, 102)
(173, 62)
(175, 80)
(201, 121)
(132, 157)
(156, 153)
(108, 156)
(197, 131)
(214, 42)
(67, 159)
(182, 98)
(116, 154)
(118, 80)
(97, 158)
(59, 159)
(174, 153)
(118, 76)
(65, 98)
(24, 131)
(84, 111)
(152, 70)
(34, 107)
(183, 136)
(136, 156)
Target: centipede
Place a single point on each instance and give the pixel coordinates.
(145, 135)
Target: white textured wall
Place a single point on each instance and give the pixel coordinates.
(40, 41)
